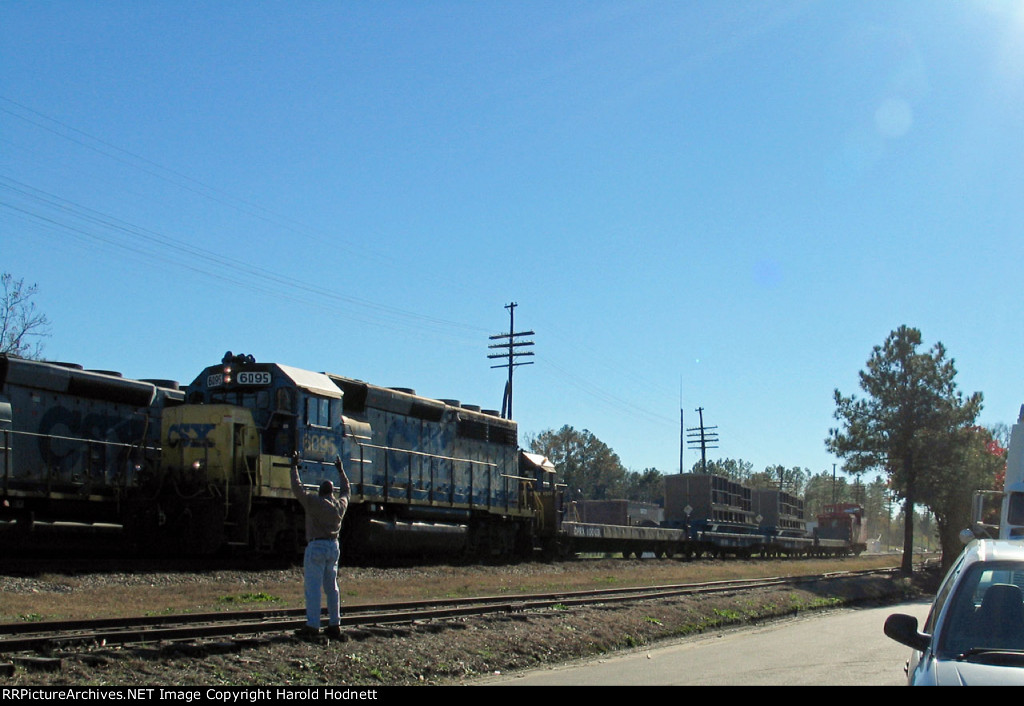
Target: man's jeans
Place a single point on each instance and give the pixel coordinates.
(321, 573)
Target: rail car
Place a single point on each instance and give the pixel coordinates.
(699, 539)
(705, 515)
(725, 518)
(73, 441)
(843, 523)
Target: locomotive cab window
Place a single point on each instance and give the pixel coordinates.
(249, 399)
(320, 411)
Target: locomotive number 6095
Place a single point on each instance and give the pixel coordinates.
(253, 378)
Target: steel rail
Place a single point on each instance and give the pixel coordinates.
(20, 637)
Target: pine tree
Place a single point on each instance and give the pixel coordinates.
(908, 422)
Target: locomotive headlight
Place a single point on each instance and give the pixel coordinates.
(227, 374)
(197, 466)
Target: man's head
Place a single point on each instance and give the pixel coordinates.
(326, 489)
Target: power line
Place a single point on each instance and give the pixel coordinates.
(87, 223)
(59, 216)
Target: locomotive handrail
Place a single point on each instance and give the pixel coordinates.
(429, 455)
(85, 440)
(390, 483)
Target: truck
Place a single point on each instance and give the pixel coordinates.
(999, 514)
(1011, 516)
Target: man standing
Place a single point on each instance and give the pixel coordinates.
(324, 513)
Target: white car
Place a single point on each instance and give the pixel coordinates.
(974, 634)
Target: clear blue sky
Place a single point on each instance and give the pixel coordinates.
(719, 204)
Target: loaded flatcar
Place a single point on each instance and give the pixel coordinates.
(723, 517)
(73, 441)
(426, 474)
(780, 517)
(716, 513)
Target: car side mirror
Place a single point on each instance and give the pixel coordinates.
(903, 629)
(975, 531)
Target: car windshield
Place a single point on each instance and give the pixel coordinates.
(986, 614)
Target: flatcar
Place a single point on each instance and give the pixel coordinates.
(710, 515)
(72, 441)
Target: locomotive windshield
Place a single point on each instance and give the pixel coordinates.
(250, 399)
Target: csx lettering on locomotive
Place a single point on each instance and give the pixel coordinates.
(191, 435)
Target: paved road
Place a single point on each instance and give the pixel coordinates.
(836, 648)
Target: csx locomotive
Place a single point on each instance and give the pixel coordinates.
(73, 441)
(427, 475)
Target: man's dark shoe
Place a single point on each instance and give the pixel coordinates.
(333, 632)
(307, 632)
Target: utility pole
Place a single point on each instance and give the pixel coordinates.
(833, 484)
(512, 347)
(702, 437)
(682, 441)
(682, 428)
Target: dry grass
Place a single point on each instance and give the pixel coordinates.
(63, 597)
(431, 652)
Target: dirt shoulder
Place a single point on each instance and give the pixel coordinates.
(441, 653)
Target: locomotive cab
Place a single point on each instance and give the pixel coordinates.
(224, 477)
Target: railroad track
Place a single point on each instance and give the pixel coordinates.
(54, 636)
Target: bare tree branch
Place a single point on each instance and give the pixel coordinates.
(21, 325)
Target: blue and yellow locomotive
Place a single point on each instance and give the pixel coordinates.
(73, 442)
(426, 474)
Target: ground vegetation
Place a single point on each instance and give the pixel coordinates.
(461, 651)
